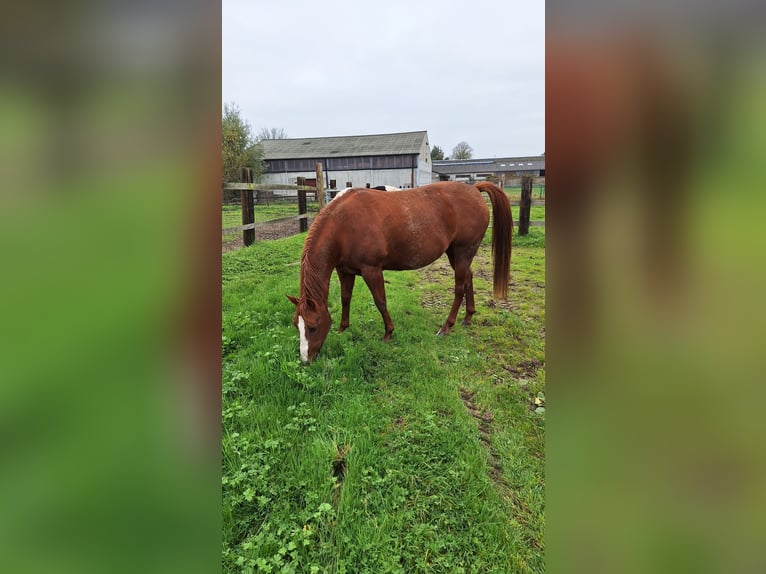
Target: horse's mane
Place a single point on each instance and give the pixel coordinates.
(311, 280)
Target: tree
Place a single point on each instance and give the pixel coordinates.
(239, 149)
(462, 151)
(437, 153)
(271, 134)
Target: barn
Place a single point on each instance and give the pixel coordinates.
(400, 159)
(506, 169)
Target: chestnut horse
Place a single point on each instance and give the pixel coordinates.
(366, 231)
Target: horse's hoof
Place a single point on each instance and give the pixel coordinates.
(342, 328)
(442, 332)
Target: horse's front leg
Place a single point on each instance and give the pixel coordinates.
(346, 289)
(374, 279)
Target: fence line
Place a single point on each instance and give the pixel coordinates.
(249, 226)
(266, 187)
(248, 189)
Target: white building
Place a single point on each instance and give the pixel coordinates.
(401, 160)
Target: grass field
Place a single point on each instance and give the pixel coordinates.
(232, 214)
(514, 192)
(424, 454)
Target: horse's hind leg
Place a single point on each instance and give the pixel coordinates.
(346, 289)
(374, 279)
(470, 303)
(462, 268)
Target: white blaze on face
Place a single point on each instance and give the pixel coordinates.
(304, 340)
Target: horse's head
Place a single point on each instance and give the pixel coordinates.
(313, 323)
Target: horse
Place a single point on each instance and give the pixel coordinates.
(367, 231)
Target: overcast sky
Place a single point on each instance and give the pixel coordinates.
(472, 70)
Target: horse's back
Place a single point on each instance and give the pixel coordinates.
(410, 228)
(460, 205)
(438, 207)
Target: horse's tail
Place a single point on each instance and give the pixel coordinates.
(502, 232)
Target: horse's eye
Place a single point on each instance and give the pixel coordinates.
(312, 329)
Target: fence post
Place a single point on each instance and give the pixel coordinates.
(248, 211)
(304, 222)
(320, 185)
(525, 204)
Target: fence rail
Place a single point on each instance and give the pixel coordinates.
(249, 189)
(266, 187)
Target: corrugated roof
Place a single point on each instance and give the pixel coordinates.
(489, 165)
(344, 146)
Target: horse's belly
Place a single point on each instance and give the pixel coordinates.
(409, 258)
(394, 257)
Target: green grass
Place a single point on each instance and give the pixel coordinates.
(514, 192)
(368, 460)
(232, 214)
(536, 213)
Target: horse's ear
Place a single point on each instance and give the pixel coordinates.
(293, 300)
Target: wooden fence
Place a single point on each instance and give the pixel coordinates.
(264, 195)
(250, 191)
(247, 187)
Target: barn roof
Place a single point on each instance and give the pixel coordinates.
(493, 165)
(345, 146)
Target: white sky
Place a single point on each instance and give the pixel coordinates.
(472, 70)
